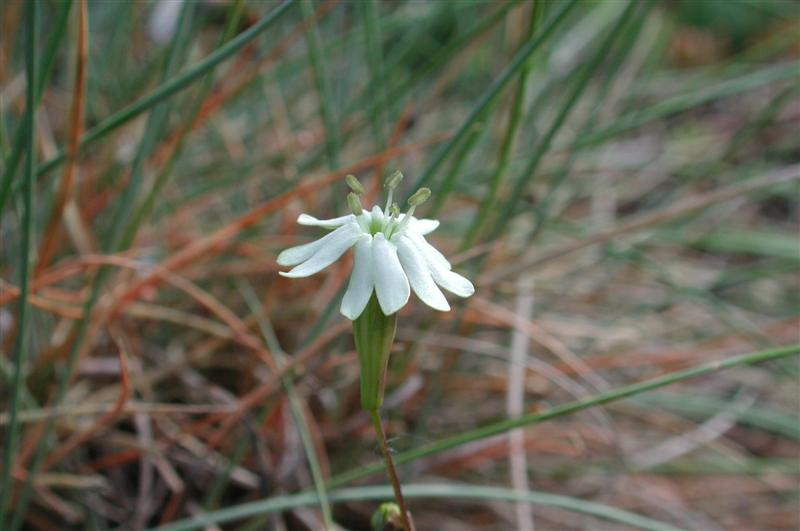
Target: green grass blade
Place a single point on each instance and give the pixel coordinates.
(317, 59)
(26, 228)
(456, 169)
(572, 407)
(680, 103)
(577, 90)
(295, 404)
(374, 52)
(146, 207)
(452, 491)
(442, 56)
(764, 418)
(120, 235)
(491, 94)
(504, 155)
(53, 44)
(173, 86)
(759, 243)
(400, 92)
(240, 450)
(113, 244)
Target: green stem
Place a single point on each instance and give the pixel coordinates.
(373, 333)
(391, 471)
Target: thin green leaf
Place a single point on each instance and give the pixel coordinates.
(427, 491)
(26, 229)
(627, 391)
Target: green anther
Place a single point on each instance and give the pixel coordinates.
(393, 180)
(419, 197)
(354, 203)
(354, 184)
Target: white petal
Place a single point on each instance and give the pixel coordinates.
(419, 275)
(333, 246)
(359, 289)
(376, 216)
(452, 282)
(430, 252)
(423, 226)
(391, 284)
(440, 268)
(305, 219)
(301, 253)
(364, 221)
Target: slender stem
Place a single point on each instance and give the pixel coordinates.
(390, 470)
(26, 229)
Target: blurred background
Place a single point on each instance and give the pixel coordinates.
(618, 179)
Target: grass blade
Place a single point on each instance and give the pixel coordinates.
(491, 94)
(426, 491)
(572, 407)
(23, 305)
(772, 74)
(507, 212)
(317, 59)
(53, 44)
(173, 86)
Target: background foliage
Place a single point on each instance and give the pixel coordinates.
(618, 178)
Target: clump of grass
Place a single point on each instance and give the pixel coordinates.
(635, 161)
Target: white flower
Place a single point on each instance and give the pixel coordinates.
(391, 256)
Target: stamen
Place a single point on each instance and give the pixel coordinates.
(354, 184)
(391, 183)
(394, 180)
(355, 204)
(419, 197)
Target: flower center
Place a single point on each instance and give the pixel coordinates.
(384, 221)
(377, 225)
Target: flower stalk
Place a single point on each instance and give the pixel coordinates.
(391, 471)
(373, 332)
(391, 258)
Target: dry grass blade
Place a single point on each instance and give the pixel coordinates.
(53, 229)
(105, 420)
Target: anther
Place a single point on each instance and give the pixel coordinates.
(355, 204)
(354, 184)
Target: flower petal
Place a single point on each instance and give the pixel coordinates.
(423, 226)
(452, 282)
(359, 289)
(419, 275)
(440, 268)
(364, 220)
(327, 251)
(305, 219)
(391, 284)
(301, 253)
(430, 252)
